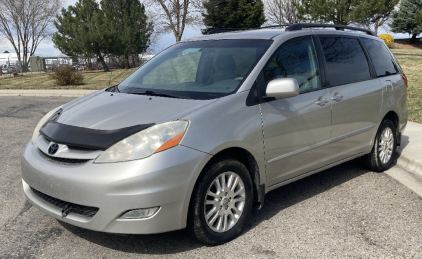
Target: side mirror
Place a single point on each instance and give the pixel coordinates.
(280, 88)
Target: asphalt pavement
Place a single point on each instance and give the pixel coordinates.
(343, 212)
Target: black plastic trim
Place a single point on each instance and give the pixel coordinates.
(261, 196)
(67, 207)
(300, 26)
(372, 70)
(321, 61)
(221, 30)
(253, 96)
(85, 137)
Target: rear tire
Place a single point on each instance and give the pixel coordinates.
(221, 202)
(384, 150)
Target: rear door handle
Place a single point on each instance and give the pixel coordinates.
(322, 101)
(337, 97)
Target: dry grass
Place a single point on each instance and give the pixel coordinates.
(407, 51)
(93, 80)
(412, 67)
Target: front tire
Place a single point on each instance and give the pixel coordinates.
(221, 202)
(384, 150)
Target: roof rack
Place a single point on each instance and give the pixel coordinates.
(274, 26)
(220, 30)
(300, 26)
(296, 27)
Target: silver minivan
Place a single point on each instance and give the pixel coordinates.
(198, 135)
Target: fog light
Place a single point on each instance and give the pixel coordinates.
(140, 213)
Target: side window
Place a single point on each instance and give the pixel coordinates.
(345, 60)
(295, 59)
(380, 56)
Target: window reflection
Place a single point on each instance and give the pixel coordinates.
(381, 58)
(295, 59)
(345, 60)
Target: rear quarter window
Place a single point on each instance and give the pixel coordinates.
(381, 58)
(345, 60)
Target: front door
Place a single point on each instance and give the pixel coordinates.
(296, 129)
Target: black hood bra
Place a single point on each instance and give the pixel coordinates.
(87, 138)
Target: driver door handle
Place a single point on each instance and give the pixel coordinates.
(322, 101)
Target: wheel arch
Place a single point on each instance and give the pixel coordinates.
(394, 117)
(246, 158)
(242, 154)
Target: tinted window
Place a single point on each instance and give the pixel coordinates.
(380, 56)
(295, 59)
(345, 60)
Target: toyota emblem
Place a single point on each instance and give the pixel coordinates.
(52, 149)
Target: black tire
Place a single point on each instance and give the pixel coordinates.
(373, 161)
(197, 224)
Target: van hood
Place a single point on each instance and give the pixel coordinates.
(109, 110)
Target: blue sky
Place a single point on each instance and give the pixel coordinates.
(47, 48)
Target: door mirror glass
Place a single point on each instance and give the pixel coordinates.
(280, 88)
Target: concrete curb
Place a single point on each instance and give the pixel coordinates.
(410, 151)
(409, 164)
(45, 92)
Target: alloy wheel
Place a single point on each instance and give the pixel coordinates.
(224, 202)
(385, 145)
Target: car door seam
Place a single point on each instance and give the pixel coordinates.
(263, 137)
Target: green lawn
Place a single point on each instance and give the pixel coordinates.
(93, 80)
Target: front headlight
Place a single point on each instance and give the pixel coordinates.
(44, 119)
(145, 143)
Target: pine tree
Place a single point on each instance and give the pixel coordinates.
(128, 23)
(325, 11)
(419, 20)
(81, 30)
(233, 14)
(373, 13)
(404, 19)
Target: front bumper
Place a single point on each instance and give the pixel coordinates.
(165, 179)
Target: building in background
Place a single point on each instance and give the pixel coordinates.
(37, 64)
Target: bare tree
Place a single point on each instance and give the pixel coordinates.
(174, 15)
(281, 12)
(26, 23)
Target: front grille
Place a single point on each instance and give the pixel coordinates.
(72, 146)
(68, 207)
(81, 148)
(61, 160)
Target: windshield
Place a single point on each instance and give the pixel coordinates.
(197, 70)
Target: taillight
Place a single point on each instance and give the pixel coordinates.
(404, 78)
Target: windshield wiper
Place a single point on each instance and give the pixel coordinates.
(152, 93)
